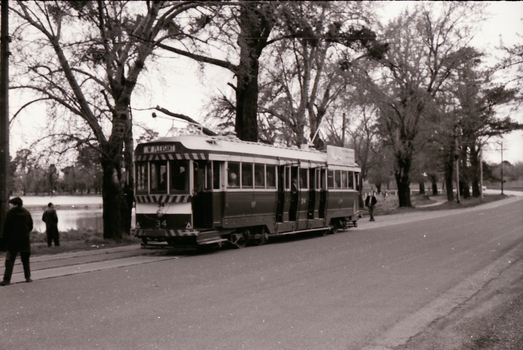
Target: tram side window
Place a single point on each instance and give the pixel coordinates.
(336, 179)
(159, 176)
(246, 175)
(259, 175)
(271, 176)
(351, 180)
(322, 179)
(303, 178)
(330, 179)
(233, 175)
(142, 177)
(343, 179)
(179, 176)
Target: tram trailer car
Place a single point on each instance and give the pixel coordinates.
(196, 190)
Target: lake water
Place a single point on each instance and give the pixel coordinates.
(74, 212)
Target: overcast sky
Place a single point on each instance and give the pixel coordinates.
(183, 90)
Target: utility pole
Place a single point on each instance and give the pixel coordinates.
(481, 173)
(4, 109)
(457, 180)
(501, 165)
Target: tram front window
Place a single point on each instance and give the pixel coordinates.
(159, 176)
(179, 176)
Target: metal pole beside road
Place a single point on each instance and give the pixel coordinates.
(4, 110)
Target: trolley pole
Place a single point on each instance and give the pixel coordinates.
(4, 110)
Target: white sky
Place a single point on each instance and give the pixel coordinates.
(184, 90)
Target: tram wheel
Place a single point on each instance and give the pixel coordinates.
(261, 238)
(239, 240)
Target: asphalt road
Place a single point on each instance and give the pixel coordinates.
(370, 287)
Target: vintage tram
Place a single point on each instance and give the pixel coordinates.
(196, 190)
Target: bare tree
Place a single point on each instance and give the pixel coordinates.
(244, 29)
(84, 58)
(309, 74)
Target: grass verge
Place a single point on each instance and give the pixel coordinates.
(74, 240)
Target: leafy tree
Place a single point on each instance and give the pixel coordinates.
(478, 101)
(426, 45)
(85, 58)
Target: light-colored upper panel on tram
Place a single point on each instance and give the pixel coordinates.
(234, 146)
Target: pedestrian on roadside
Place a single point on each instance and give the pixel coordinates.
(370, 202)
(128, 210)
(51, 225)
(17, 230)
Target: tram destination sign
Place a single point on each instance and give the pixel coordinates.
(159, 148)
(340, 155)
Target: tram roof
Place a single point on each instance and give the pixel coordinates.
(235, 146)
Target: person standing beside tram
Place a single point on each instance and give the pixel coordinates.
(370, 202)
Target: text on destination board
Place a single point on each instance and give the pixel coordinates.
(159, 148)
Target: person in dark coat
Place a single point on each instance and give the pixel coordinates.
(370, 202)
(17, 229)
(51, 225)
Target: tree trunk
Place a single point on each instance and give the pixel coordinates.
(421, 187)
(247, 104)
(476, 175)
(449, 180)
(434, 188)
(112, 201)
(403, 161)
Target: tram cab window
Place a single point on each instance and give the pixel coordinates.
(142, 177)
(351, 180)
(330, 179)
(179, 176)
(159, 176)
(199, 169)
(233, 175)
(246, 175)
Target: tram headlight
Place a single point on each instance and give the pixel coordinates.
(159, 213)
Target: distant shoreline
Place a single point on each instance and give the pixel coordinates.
(63, 201)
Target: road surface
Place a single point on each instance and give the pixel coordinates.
(370, 287)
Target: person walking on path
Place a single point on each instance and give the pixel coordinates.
(370, 202)
(51, 225)
(17, 229)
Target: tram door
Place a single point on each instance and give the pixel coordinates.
(294, 193)
(312, 194)
(323, 193)
(202, 201)
(281, 194)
